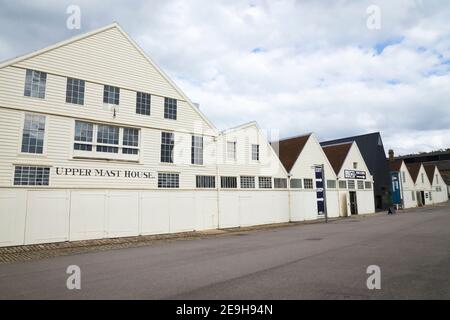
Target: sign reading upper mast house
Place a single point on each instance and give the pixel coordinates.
(115, 173)
(354, 174)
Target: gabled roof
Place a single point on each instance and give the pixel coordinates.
(116, 26)
(395, 165)
(289, 149)
(429, 169)
(336, 154)
(414, 169)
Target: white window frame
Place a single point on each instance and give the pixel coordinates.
(231, 153)
(333, 182)
(176, 182)
(360, 184)
(247, 182)
(265, 182)
(197, 153)
(22, 127)
(307, 185)
(368, 185)
(227, 184)
(298, 180)
(255, 152)
(205, 182)
(280, 183)
(94, 154)
(342, 184)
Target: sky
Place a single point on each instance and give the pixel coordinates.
(336, 68)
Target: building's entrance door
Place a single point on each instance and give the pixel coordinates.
(353, 203)
(422, 197)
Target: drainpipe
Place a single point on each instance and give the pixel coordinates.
(289, 196)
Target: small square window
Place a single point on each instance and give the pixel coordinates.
(308, 183)
(265, 182)
(296, 183)
(247, 182)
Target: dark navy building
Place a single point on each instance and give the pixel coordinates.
(372, 150)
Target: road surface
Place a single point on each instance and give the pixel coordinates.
(315, 261)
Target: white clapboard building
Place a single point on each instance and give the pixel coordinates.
(422, 185)
(406, 185)
(97, 142)
(355, 183)
(438, 185)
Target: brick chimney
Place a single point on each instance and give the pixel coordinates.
(391, 155)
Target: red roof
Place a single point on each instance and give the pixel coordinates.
(336, 154)
(290, 149)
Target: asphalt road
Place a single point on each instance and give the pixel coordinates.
(317, 261)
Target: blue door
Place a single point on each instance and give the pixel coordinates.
(395, 184)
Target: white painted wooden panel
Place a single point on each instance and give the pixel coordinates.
(154, 213)
(12, 217)
(88, 215)
(182, 211)
(229, 209)
(47, 217)
(303, 205)
(206, 210)
(123, 214)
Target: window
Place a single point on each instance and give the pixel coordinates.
(413, 195)
(331, 184)
(35, 84)
(170, 108)
(247, 182)
(437, 179)
(167, 144)
(296, 183)
(75, 91)
(360, 185)
(368, 185)
(168, 180)
(83, 133)
(120, 143)
(228, 182)
(143, 103)
(342, 184)
(280, 183)
(33, 133)
(351, 184)
(31, 176)
(431, 197)
(421, 176)
(231, 150)
(130, 140)
(308, 183)
(107, 135)
(255, 152)
(197, 150)
(265, 182)
(403, 177)
(205, 181)
(111, 95)
(355, 165)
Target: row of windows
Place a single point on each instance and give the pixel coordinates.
(40, 176)
(331, 184)
(103, 139)
(35, 83)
